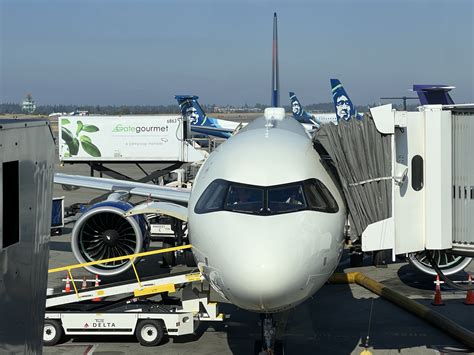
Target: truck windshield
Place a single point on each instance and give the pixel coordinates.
(223, 195)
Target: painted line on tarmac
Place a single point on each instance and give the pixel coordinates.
(90, 349)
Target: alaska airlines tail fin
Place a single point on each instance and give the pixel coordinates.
(191, 110)
(345, 110)
(197, 118)
(434, 94)
(299, 112)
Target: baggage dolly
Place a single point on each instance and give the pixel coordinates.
(79, 312)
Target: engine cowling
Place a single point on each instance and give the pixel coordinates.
(102, 232)
(448, 263)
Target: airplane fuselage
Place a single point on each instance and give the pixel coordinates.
(265, 218)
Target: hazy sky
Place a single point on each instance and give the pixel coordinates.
(145, 52)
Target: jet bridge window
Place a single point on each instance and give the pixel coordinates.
(309, 194)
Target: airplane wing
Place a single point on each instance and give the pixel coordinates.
(169, 209)
(135, 188)
(201, 129)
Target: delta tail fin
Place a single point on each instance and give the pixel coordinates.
(345, 109)
(434, 94)
(275, 77)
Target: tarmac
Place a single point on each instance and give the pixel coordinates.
(336, 320)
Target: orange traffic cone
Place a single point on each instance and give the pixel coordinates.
(437, 297)
(67, 288)
(97, 299)
(84, 283)
(470, 294)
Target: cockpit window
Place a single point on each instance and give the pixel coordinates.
(225, 195)
(213, 197)
(287, 198)
(245, 199)
(319, 197)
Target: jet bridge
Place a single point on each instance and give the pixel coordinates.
(422, 160)
(26, 181)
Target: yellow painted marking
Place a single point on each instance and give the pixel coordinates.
(193, 277)
(154, 289)
(129, 257)
(100, 293)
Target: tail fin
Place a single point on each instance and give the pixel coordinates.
(191, 110)
(275, 77)
(345, 110)
(299, 112)
(434, 94)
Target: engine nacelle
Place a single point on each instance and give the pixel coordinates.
(102, 232)
(448, 263)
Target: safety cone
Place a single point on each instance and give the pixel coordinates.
(84, 283)
(470, 293)
(437, 297)
(67, 288)
(97, 299)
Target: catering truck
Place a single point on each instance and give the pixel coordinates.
(130, 138)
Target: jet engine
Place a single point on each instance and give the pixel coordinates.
(102, 232)
(448, 263)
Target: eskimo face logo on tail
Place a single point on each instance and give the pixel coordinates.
(296, 108)
(343, 108)
(192, 115)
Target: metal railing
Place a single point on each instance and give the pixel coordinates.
(130, 257)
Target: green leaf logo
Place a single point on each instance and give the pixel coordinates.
(74, 141)
(66, 135)
(90, 148)
(85, 138)
(79, 127)
(90, 128)
(73, 146)
(65, 121)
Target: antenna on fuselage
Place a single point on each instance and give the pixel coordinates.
(275, 78)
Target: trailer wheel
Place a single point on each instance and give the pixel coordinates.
(149, 332)
(52, 332)
(189, 258)
(169, 258)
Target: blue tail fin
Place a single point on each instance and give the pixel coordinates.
(191, 110)
(434, 94)
(345, 110)
(275, 77)
(299, 112)
(197, 118)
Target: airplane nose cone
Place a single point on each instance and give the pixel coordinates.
(266, 287)
(270, 283)
(268, 264)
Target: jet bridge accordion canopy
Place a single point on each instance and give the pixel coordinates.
(361, 156)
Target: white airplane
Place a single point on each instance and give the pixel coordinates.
(264, 217)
